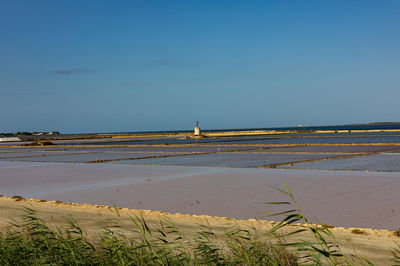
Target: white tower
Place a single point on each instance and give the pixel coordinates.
(197, 129)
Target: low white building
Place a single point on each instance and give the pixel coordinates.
(4, 139)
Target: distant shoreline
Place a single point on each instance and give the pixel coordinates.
(205, 133)
(364, 127)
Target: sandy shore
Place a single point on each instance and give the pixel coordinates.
(372, 244)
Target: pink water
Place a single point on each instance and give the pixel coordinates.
(353, 199)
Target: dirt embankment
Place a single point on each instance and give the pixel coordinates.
(376, 245)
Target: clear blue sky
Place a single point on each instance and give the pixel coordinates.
(112, 66)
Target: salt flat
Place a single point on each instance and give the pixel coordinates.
(339, 198)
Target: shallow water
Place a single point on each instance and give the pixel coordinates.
(380, 162)
(338, 149)
(232, 159)
(264, 140)
(355, 199)
(242, 151)
(81, 157)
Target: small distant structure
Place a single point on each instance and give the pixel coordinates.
(197, 131)
(43, 133)
(9, 139)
